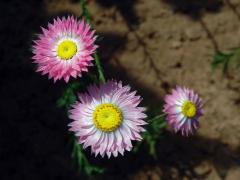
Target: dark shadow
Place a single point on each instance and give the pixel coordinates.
(194, 8)
(33, 133)
(186, 153)
(109, 44)
(126, 8)
(34, 137)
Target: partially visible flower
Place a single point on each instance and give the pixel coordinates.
(107, 118)
(183, 108)
(64, 49)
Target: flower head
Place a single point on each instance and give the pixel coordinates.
(183, 108)
(107, 118)
(64, 49)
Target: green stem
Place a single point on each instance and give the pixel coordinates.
(99, 67)
(156, 117)
(87, 15)
(85, 11)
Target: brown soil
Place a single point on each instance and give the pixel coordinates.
(155, 45)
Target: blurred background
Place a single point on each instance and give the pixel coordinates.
(153, 45)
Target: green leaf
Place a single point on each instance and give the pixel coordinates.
(225, 59)
(68, 96)
(220, 58)
(152, 134)
(61, 102)
(82, 161)
(99, 38)
(235, 59)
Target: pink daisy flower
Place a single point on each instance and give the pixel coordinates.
(64, 49)
(183, 108)
(107, 118)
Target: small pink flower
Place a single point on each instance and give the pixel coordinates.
(183, 108)
(107, 118)
(64, 49)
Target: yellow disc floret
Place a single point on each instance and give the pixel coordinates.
(107, 117)
(66, 49)
(189, 109)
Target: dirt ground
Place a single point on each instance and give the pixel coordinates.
(152, 45)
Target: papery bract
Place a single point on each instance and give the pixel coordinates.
(183, 108)
(64, 49)
(107, 118)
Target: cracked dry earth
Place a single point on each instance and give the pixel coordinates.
(157, 44)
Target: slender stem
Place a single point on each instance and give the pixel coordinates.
(157, 117)
(85, 11)
(99, 67)
(87, 15)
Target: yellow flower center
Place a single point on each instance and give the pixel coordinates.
(66, 49)
(189, 109)
(107, 117)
